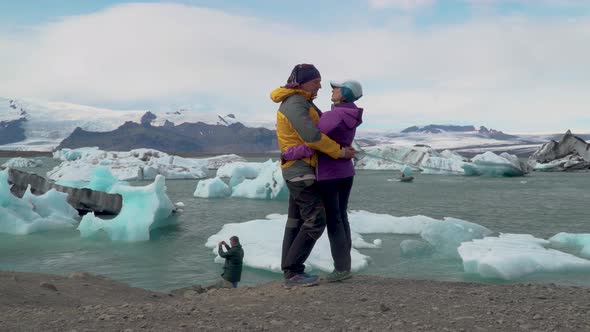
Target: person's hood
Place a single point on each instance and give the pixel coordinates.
(351, 115)
(280, 94)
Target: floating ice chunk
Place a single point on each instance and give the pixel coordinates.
(446, 236)
(101, 180)
(269, 184)
(74, 154)
(391, 157)
(32, 213)
(262, 241)
(179, 205)
(212, 188)
(577, 242)
(364, 222)
(247, 170)
(488, 163)
(23, 163)
(511, 256)
(220, 161)
(144, 208)
(138, 164)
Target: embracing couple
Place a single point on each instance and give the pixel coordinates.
(316, 163)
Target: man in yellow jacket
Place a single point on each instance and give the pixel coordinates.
(297, 120)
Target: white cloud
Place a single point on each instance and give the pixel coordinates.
(496, 69)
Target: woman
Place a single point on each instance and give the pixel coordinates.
(335, 176)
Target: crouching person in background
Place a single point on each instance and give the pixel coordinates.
(234, 255)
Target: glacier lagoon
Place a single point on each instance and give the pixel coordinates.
(540, 204)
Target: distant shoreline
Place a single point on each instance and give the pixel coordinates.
(30, 154)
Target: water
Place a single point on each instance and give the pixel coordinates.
(541, 204)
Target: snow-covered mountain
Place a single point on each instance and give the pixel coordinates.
(34, 125)
(467, 140)
(45, 124)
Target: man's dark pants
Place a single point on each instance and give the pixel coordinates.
(335, 194)
(305, 224)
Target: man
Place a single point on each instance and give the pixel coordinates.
(297, 120)
(232, 270)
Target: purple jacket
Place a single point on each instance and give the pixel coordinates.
(340, 125)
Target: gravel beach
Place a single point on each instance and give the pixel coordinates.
(83, 302)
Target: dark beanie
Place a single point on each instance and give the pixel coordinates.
(301, 74)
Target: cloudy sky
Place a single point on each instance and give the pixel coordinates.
(514, 65)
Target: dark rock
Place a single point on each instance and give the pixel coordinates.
(12, 131)
(147, 118)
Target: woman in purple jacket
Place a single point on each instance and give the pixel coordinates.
(335, 176)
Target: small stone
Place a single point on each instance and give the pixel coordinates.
(383, 307)
(183, 325)
(537, 317)
(124, 305)
(47, 285)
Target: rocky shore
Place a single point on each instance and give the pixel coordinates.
(83, 302)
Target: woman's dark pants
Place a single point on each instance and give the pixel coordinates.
(335, 194)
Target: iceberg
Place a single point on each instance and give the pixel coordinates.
(220, 161)
(429, 161)
(420, 157)
(261, 240)
(269, 184)
(580, 243)
(144, 208)
(138, 164)
(247, 170)
(31, 213)
(23, 163)
(212, 188)
(511, 256)
(488, 163)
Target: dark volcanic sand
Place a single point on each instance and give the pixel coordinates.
(81, 302)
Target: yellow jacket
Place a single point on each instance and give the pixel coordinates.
(297, 120)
